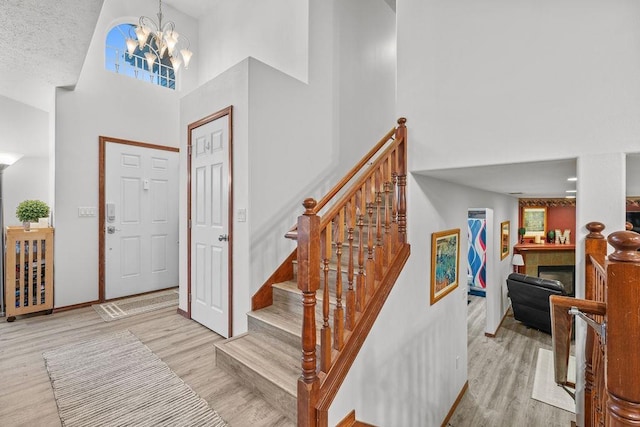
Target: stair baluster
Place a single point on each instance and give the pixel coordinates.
(388, 246)
(394, 211)
(371, 266)
(351, 295)
(361, 283)
(325, 334)
(379, 256)
(338, 313)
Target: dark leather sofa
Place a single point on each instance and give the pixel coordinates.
(530, 299)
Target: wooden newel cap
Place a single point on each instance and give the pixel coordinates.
(626, 245)
(309, 204)
(402, 121)
(595, 230)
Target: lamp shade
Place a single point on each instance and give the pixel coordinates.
(9, 158)
(517, 260)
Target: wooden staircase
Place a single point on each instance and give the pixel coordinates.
(326, 295)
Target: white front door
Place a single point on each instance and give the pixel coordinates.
(210, 228)
(141, 219)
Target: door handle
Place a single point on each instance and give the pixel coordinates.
(111, 229)
(223, 238)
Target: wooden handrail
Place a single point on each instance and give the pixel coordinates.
(391, 135)
(612, 343)
(354, 171)
(364, 232)
(326, 218)
(561, 322)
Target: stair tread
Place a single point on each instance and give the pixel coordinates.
(279, 364)
(292, 286)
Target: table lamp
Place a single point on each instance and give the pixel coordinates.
(517, 261)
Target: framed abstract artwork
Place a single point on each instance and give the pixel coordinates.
(445, 256)
(534, 221)
(504, 239)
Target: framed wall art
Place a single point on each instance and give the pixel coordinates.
(445, 255)
(534, 221)
(505, 231)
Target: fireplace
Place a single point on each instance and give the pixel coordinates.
(563, 273)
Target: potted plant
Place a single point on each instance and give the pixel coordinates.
(521, 232)
(29, 211)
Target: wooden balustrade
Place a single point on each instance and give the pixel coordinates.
(361, 237)
(612, 298)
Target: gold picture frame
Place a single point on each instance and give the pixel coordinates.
(505, 231)
(445, 258)
(534, 221)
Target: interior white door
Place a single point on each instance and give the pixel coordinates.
(141, 219)
(210, 225)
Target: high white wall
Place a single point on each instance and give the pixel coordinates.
(601, 186)
(504, 81)
(414, 362)
(26, 179)
(24, 130)
(512, 81)
(274, 31)
(364, 76)
(294, 148)
(103, 103)
(231, 88)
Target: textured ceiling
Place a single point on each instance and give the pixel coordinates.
(46, 41)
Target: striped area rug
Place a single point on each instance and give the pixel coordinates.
(116, 380)
(127, 307)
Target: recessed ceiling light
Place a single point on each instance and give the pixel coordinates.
(573, 178)
(571, 191)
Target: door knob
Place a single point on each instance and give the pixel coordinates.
(223, 238)
(111, 229)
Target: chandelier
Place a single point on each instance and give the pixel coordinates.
(158, 41)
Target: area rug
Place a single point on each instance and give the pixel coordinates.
(136, 305)
(544, 387)
(116, 380)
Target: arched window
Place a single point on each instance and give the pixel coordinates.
(118, 60)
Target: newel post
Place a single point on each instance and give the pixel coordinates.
(308, 283)
(623, 330)
(401, 132)
(594, 245)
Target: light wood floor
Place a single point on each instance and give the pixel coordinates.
(26, 397)
(500, 373)
(501, 369)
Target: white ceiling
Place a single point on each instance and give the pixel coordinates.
(522, 180)
(546, 179)
(44, 42)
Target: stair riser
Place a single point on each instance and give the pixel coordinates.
(259, 385)
(274, 332)
(293, 302)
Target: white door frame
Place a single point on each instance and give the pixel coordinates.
(224, 112)
(103, 140)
